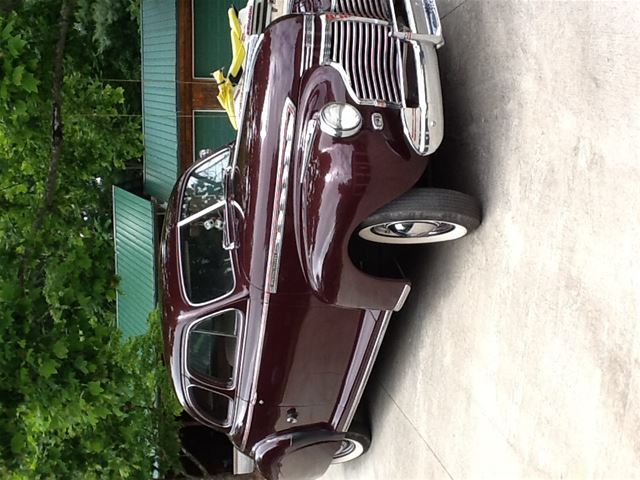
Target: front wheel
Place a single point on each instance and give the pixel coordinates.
(423, 215)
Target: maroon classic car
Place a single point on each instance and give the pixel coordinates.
(270, 328)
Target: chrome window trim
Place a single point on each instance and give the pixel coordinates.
(205, 418)
(188, 380)
(233, 266)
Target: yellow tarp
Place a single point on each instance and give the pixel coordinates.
(226, 84)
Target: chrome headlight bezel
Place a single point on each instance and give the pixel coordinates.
(340, 120)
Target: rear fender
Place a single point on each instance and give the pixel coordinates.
(299, 454)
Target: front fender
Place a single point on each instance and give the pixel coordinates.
(339, 183)
(298, 454)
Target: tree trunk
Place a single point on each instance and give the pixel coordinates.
(57, 133)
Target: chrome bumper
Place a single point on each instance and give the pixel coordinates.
(424, 125)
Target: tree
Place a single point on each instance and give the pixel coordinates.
(77, 401)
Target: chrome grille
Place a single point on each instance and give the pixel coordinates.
(364, 8)
(369, 57)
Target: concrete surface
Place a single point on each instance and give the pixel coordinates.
(518, 352)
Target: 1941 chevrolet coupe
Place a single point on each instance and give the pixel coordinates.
(270, 328)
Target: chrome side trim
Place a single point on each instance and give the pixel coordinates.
(403, 298)
(307, 144)
(242, 464)
(253, 399)
(280, 199)
(367, 372)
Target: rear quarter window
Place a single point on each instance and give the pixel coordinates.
(212, 347)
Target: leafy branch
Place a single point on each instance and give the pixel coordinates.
(57, 133)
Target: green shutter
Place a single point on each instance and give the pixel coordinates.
(212, 130)
(135, 260)
(158, 27)
(211, 40)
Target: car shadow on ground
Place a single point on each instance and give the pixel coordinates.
(456, 165)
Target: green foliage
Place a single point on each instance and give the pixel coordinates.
(77, 401)
(18, 83)
(163, 417)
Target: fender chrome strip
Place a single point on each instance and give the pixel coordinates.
(287, 125)
(253, 398)
(344, 425)
(280, 198)
(307, 144)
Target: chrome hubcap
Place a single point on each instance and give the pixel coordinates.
(346, 448)
(413, 229)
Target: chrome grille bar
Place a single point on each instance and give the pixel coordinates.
(364, 8)
(369, 57)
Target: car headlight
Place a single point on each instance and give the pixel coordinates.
(340, 120)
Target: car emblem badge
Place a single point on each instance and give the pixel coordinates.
(376, 121)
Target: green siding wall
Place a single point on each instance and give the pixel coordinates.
(159, 96)
(212, 130)
(212, 44)
(135, 260)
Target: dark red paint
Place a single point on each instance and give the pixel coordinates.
(320, 326)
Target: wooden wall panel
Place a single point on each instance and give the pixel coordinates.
(193, 94)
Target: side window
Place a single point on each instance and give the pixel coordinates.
(205, 186)
(206, 266)
(211, 348)
(214, 406)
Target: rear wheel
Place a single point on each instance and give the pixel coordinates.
(423, 215)
(355, 444)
